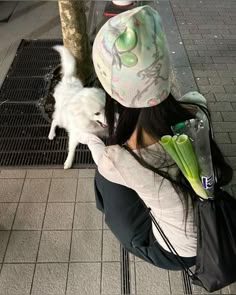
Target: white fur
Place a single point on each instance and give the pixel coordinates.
(77, 109)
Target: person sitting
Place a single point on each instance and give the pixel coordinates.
(132, 62)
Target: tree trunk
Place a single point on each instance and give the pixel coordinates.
(75, 36)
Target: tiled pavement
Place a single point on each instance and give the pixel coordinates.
(52, 239)
(48, 218)
(208, 31)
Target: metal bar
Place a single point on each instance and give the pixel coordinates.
(125, 271)
(186, 283)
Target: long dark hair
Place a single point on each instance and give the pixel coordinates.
(156, 121)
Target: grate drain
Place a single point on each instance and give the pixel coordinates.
(186, 283)
(23, 128)
(125, 271)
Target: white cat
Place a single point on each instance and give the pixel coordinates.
(77, 108)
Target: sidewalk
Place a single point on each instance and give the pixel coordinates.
(208, 31)
(48, 217)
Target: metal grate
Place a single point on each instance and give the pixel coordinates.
(186, 283)
(23, 128)
(21, 95)
(23, 83)
(125, 271)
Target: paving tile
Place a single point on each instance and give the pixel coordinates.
(193, 53)
(203, 81)
(211, 89)
(86, 246)
(178, 55)
(222, 137)
(132, 278)
(35, 190)
(54, 32)
(62, 190)
(156, 279)
(229, 116)
(233, 182)
(233, 137)
(45, 26)
(10, 189)
(205, 73)
(4, 236)
(230, 88)
(3, 49)
(86, 173)
(6, 63)
(7, 214)
(85, 191)
(7, 43)
(200, 59)
(179, 58)
(176, 284)
(39, 173)
(131, 257)
(176, 86)
(111, 247)
(59, 216)
(220, 106)
(50, 278)
(232, 162)
(29, 10)
(233, 288)
(29, 216)
(50, 8)
(12, 173)
(54, 246)
(216, 116)
(23, 246)
(105, 226)
(210, 97)
(228, 149)
(227, 74)
(84, 278)
(185, 79)
(137, 259)
(16, 279)
(198, 290)
(111, 278)
(226, 290)
(87, 216)
(224, 126)
(69, 173)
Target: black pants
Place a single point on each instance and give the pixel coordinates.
(130, 222)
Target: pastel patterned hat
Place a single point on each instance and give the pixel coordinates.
(131, 58)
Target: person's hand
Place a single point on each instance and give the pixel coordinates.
(94, 143)
(85, 138)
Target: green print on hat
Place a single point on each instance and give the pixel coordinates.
(131, 58)
(126, 41)
(124, 44)
(128, 59)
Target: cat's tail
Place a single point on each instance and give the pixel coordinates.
(68, 61)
